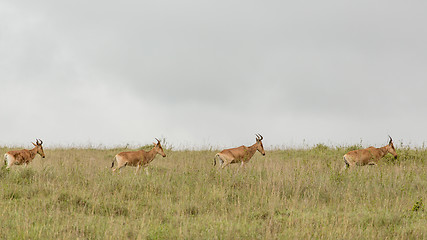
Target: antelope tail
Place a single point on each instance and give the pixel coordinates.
(214, 162)
(112, 164)
(346, 162)
(346, 166)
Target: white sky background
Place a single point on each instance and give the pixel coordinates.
(213, 73)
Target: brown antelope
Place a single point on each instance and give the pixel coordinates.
(138, 159)
(368, 156)
(240, 154)
(23, 156)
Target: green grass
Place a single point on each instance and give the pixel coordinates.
(288, 194)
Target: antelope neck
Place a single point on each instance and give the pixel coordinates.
(151, 154)
(383, 151)
(33, 152)
(252, 149)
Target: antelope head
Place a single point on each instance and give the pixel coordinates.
(158, 148)
(39, 147)
(260, 147)
(390, 148)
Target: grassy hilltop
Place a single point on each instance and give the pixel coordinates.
(296, 194)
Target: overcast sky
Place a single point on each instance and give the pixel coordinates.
(213, 73)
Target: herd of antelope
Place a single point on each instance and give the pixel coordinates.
(242, 154)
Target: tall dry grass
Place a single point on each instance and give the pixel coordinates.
(288, 194)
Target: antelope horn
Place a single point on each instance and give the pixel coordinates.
(260, 137)
(37, 141)
(391, 140)
(158, 141)
(41, 142)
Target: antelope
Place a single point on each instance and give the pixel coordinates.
(23, 156)
(240, 154)
(138, 159)
(368, 156)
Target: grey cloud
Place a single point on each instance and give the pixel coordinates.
(294, 69)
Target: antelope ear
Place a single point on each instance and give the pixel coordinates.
(154, 143)
(34, 144)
